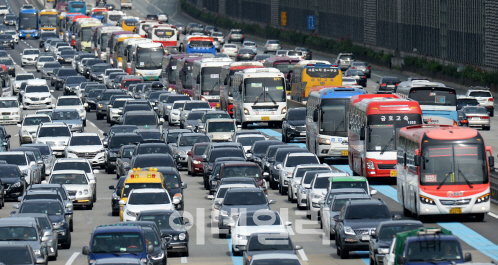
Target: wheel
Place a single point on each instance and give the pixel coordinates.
(289, 197)
(337, 249)
(188, 171)
(108, 170)
(321, 224)
(280, 189)
(84, 123)
(89, 207)
(235, 253)
(372, 262)
(67, 244)
(71, 225)
(185, 254)
(244, 125)
(344, 254)
(406, 212)
(99, 116)
(479, 217)
(331, 236)
(308, 211)
(114, 213)
(285, 139)
(492, 113)
(95, 197)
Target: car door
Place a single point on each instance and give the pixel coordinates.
(326, 215)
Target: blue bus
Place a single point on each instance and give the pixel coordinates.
(77, 7)
(437, 101)
(327, 120)
(200, 44)
(28, 24)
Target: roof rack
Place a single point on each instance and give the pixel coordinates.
(478, 88)
(430, 231)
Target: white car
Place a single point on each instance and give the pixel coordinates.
(484, 97)
(261, 221)
(297, 176)
(304, 187)
(146, 199)
(290, 162)
(174, 113)
(295, 54)
(4, 10)
(14, 35)
(230, 49)
(72, 102)
(29, 126)
(88, 146)
(23, 77)
(55, 134)
(42, 60)
(220, 195)
(10, 110)
(318, 190)
(220, 129)
(79, 164)
(247, 140)
(27, 167)
(29, 56)
(37, 95)
(348, 81)
(77, 185)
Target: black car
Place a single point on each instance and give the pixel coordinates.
(152, 160)
(62, 75)
(259, 148)
(7, 41)
(466, 101)
(142, 119)
(180, 27)
(103, 100)
(88, 67)
(118, 129)
(172, 227)
(48, 69)
(109, 6)
(152, 148)
(116, 195)
(72, 84)
(278, 158)
(388, 84)
(152, 234)
(245, 55)
(381, 240)
(66, 56)
(4, 139)
(116, 140)
(97, 71)
(123, 160)
(209, 159)
(92, 97)
(357, 222)
(174, 185)
(170, 135)
(47, 36)
(10, 20)
(268, 243)
(151, 17)
(306, 51)
(294, 125)
(358, 75)
(18, 254)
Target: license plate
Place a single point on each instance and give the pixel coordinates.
(390, 86)
(365, 238)
(6, 117)
(303, 133)
(29, 35)
(344, 153)
(394, 173)
(218, 105)
(265, 118)
(456, 210)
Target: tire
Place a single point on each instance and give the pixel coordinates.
(344, 254)
(479, 217)
(89, 207)
(113, 213)
(188, 171)
(108, 170)
(185, 254)
(321, 224)
(492, 113)
(285, 139)
(235, 253)
(71, 226)
(280, 189)
(67, 244)
(289, 198)
(95, 197)
(372, 262)
(331, 236)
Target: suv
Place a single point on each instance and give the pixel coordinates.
(356, 223)
(29, 56)
(291, 161)
(11, 110)
(113, 146)
(72, 102)
(464, 101)
(344, 60)
(484, 97)
(236, 35)
(16, 83)
(272, 46)
(87, 146)
(62, 75)
(55, 134)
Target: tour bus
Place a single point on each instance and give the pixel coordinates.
(226, 74)
(60, 5)
(129, 23)
(63, 20)
(48, 20)
(438, 102)
(184, 84)
(118, 49)
(111, 43)
(309, 73)
(147, 61)
(95, 31)
(28, 24)
(443, 169)
(206, 73)
(259, 96)
(143, 27)
(103, 39)
(284, 64)
(165, 34)
(84, 37)
(374, 124)
(200, 45)
(99, 12)
(169, 63)
(129, 51)
(113, 17)
(68, 36)
(327, 113)
(76, 26)
(77, 7)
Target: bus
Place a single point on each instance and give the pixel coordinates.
(63, 20)
(143, 27)
(206, 73)
(284, 64)
(70, 29)
(111, 43)
(184, 84)
(118, 49)
(61, 5)
(77, 7)
(327, 114)
(99, 12)
(101, 40)
(443, 169)
(84, 36)
(201, 45)
(309, 73)
(129, 23)
(438, 102)
(259, 96)
(28, 24)
(147, 61)
(165, 34)
(226, 74)
(374, 124)
(169, 63)
(48, 20)
(112, 17)
(130, 50)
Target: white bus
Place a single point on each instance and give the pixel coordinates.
(129, 51)
(259, 95)
(206, 78)
(147, 61)
(167, 35)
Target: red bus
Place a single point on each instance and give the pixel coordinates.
(374, 124)
(184, 83)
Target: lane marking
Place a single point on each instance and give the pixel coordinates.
(235, 260)
(91, 124)
(493, 215)
(184, 260)
(302, 254)
(376, 75)
(72, 258)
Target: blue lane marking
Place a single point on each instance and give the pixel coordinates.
(344, 168)
(387, 190)
(278, 136)
(235, 260)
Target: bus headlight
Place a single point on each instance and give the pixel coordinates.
(284, 110)
(370, 164)
(323, 141)
(426, 200)
(246, 111)
(483, 198)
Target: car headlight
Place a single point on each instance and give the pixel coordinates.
(16, 185)
(302, 191)
(188, 126)
(116, 197)
(168, 107)
(24, 132)
(126, 164)
(160, 256)
(223, 213)
(196, 162)
(241, 237)
(181, 152)
(101, 106)
(24, 171)
(349, 231)
(316, 196)
(294, 185)
(131, 213)
(292, 127)
(37, 252)
(61, 223)
(382, 250)
(287, 174)
(112, 154)
(213, 183)
(182, 236)
(78, 125)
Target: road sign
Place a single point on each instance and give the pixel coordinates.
(283, 18)
(311, 23)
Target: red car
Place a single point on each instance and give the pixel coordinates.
(195, 158)
(241, 169)
(129, 80)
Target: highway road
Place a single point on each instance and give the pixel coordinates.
(478, 238)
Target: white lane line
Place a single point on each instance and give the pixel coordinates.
(72, 258)
(184, 260)
(157, 8)
(92, 124)
(301, 253)
(101, 132)
(376, 75)
(493, 215)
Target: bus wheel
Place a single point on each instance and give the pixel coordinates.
(479, 217)
(244, 125)
(406, 212)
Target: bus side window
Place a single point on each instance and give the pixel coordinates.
(401, 151)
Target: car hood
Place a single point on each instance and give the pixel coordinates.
(72, 122)
(244, 208)
(56, 218)
(297, 123)
(77, 187)
(9, 109)
(85, 148)
(38, 94)
(70, 107)
(364, 223)
(171, 231)
(145, 207)
(384, 243)
(248, 230)
(33, 243)
(276, 252)
(10, 180)
(53, 139)
(173, 191)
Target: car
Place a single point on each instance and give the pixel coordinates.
(8, 62)
(46, 153)
(230, 49)
(267, 159)
(245, 55)
(13, 182)
(278, 159)
(37, 94)
(213, 114)
(143, 119)
(247, 140)
(113, 145)
(193, 119)
(237, 201)
(173, 228)
(150, 135)
(294, 125)
(388, 84)
(7, 40)
(212, 179)
(344, 60)
(78, 185)
(266, 243)
(167, 105)
(97, 71)
(291, 161)
(262, 221)
(61, 191)
(10, 110)
(364, 66)
(237, 133)
(14, 35)
(358, 75)
(477, 117)
(258, 150)
(261, 57)
(170, 135)
(250, 45)
(146, 199)
(118, 260)
(230, 169)
(10, 20)
(113, 77)
(26, 161)
(295, 54)
(219, 130)
(48, 231)
(116, 195)
(272, 46)
(194, 160)
(152, 160)
(123, 160)
(57, 214)
(29, 125)
(358, 221)
(144, 148)
(77, 62)
(163, 17)
(103, 100)
(281, 53)
(72, 102)
(380, 242)
(225, 185)
(66, 56)
(20, 254)
(87, 146)
(464, 101)
(462, 119)
(61, 76)
(190, 105)
(174, 185)
(27, 6)
(275, 258)
(107, 73)
(70, 117)
(183, 144)
(45, 36)
(16, 83)
(152, 237)
(87, 70)
(218, 35)
(48, 69)
(484, 97)
(55, 134)
(41, 60)
(115, 107)
(307, 52)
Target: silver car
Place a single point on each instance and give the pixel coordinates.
(272, 46)
(48, 230)
(344, 60)
(477, 116)
(363, 66)
(230, 49)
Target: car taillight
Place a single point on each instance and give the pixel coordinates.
(397, 84)
(484, 118)
(364, 76)
(223, 50)
(491, 99)
(230, 35)
(383, 84)
(267, 45)
(464, 121)
(370, 67)
(255, 46)
(353, 67)
(242, 35)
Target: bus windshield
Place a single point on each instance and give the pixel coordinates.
(201, 43)
(210, 80)
(452, 163)
(380, 130)
(381, 138)
(86, 34)
(48, 20)
(269, 89)
(149, 58)
(334, 116)
(284, 67)
(28, 21)
(433, 97)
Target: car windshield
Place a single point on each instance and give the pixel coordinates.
(276, 261)
(339, 203)
(6, 61)
(9, 172)
(474, 110)
(75, 80)
(122, 129)
(245, 198)
(164, 221)
(259, 90)
(228, 126)
(370, 212)
(260, 243)
(84, 166)
(69, 101)
(293, 161)
(242, 171)
(151, 237)
(35, 121)
(425, 251)
(18, 233)
(35, 196)
(249, 141)
(226, 153)
(46, 59)
(24, 77)
(159, 161)
(172, 99)
(197, 105)
(199, 150)
(153, 149)
(208, 116)
(150, 135)
(54, 132)
(85, 140)
(65, 115)
(68, 179)
(117, 142)
(387, 233)
(139, 198)
(140, 120)
(133, 186)
(37, 89)
(191, 140)
(195, 115)
(47, 208)
(260, 219)
(117, 242)
(9, 104)
(297, 115)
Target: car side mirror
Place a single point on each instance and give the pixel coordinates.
(362, 134)
(467, 257)
(85, 105)
(39, 260)
(85, 251)
(184, 185)
(272, 201)
(400, 259)
(8, 136)
(279, 166)
(373, 192)
(396, 217)
(104, 134)
(32, 163)
(189, 153)
(122, 202)
(337, 218)
(18, 125)
(491, 161)
(210, 197)
(288, 223)
(315, 115)
(16, 206)
(96, 171)
(44, 182)
(204, 158)
(298, 247)
(111, 187)
(52, 91)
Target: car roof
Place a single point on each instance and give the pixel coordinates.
(245, 190)
(366, 202)
(69, 171)
(160, 212)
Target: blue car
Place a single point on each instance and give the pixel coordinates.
(69, 116)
